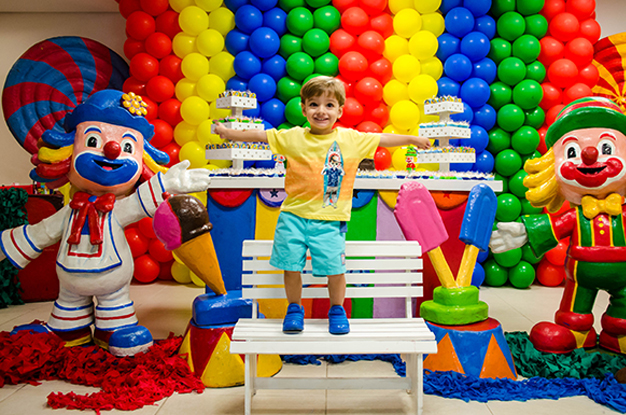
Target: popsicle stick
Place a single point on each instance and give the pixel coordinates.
(442, 269)
(466, 269)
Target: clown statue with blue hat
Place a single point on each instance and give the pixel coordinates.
(586, 166)
(104, 154)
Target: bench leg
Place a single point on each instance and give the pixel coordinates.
(249, 375)
(414, 371)
(420, 383)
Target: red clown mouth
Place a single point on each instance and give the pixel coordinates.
(594, 175)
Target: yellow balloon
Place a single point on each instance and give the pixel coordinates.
(222, 20)
(176, 258)
(218, 113)
(425, 6)
(396, 5)
(405, 68)
(185, 88)
(179, 5)
(196, 280)
(221, 164)
(398, 159)
(404, 114)
(184, 133)
(210, 86)
(204, 132)
(210, 42)
(180, 273)
(395, 46)
(193, 20)
(194, 110)
(194, 66)
(429, 166)
(422, 87)
(184, 44)
(392, 129)
(434, 23)
(407, 22)
(422, 45)
(195, 153)
(209, 5)
(432, 67)
(210, 167)
(424, 118)
(395, 91)
(201, 196)
(222, 65)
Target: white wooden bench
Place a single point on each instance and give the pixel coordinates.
(397, 264)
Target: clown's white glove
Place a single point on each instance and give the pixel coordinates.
(179, 180)
(510, 235)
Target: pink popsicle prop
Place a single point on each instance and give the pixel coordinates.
(420, 221)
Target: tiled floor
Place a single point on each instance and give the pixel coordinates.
(165, 307)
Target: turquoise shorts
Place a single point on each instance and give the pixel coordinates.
(325, 239)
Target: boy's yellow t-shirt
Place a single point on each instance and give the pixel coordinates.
(321, 169)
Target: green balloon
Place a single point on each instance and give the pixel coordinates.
(510, 117)
(287, 88)
(314, 4)
(535, 117)
(299, 21)
(501, 94)
(527, 48)
(511, 25)
(505, 183)
(327, 18)
(327, 64)
(527, 157)
(315, 42)
(498, 140)
(527, 7)
(495, 275)
(289, 44)
(536, 71)
(285, 126)
(293, 112)
(509, 258)
(536, 25)
(507, 162)
(525, 140)
(500, 49)
(509, 208)
(527, 94)
(522, 275)
(288, 5)
(511, 71)
(516, 184)
(308, 78)
(528, 209)
(306, 125)
(299, 66)
(499, 7)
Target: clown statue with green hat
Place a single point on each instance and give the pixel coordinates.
(586, 166)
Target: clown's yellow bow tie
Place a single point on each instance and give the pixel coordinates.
(593, 207)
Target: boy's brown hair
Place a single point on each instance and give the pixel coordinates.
(321, 85)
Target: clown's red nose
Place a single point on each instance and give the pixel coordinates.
(589, 155)
(112, 150)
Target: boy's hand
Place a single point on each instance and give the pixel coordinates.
(222, 131)
(422, 143)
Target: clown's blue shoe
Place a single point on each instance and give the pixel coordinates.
(71, 338)
(127, 341)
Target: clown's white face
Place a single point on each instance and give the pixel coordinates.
(107, 158)
(590, 161)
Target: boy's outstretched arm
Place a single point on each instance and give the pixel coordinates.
(394, 140)
(238, 135)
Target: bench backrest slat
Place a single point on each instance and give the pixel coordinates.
(360, 278)
(352, 264)
(398, 249)
(322, 292)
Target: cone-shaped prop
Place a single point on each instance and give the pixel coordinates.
(199, 255)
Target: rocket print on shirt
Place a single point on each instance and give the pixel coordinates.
(333, 175)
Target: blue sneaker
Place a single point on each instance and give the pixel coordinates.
(294, 320)
(338, 321)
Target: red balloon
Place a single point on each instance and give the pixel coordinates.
(589, 75)
(371, 45)
(369, 127)
(564, 27)
(172, 150)
(133, 84)
(552, 113)
(378, 113)
(144, 67)
(168, 23)
(542, 148)
(349, 88)
(550, 275)
(353, 66)
(158, 252)
(126, 7)
(551, 50)
(355, 21)
(383, 24)
(551, 96)
(169, 111)
(368, 91)
(158, 45)
(582, 9)
(352, 112)
(580, 51)
(166, 271)
(343, 5)
(557, 255)
(576, 91)
(382, 159)
(552, 7)
(140, 25)
(137, 242)
(145, 225)
(154, 7)
(169, 66)
(146, 269)
(133, 47)
(373, 7)
(341, 42)
(562, 73)
(160, 88)
(152, 108)
(163, 134)
(590, 30)
(381, 70)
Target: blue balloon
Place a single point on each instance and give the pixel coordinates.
(267, 126)
(467, 114)
(247, 164)
(447, 5)
(275, 67)
(485, 69)
(273, 111)
(263, 86)
(447, 86)
(461, 166)
(455, 142)
(253, 112)
(485, 117)
(478, 276)
(265, 164)
(236, 42)
(234, 5)
(478, 140)
(477, 7)
(276, 19)
(248, 18)
(246, 65)
(484, 162)
(475, 45)
(458, 67)
(264, 5)
(486, 25)
(448, 46)
(475, 92)
(265, 42)
(459, 21)
(237, 84)
(482, 256)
